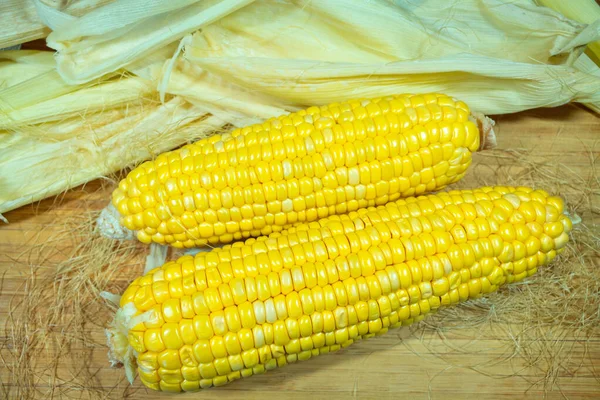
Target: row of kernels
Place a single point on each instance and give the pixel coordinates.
(282, 180)
(274, 171)
(278, 145)
(280, 306)
(507, 231)
(281, 333)
(219, 372)
(180, 216)
(314, 327)
(344, 290)
(406, 313)
(406, 228)
(423, 110)
(207, 225)
(268, 134)
(363, 239)
(264, 225)
(262, 133)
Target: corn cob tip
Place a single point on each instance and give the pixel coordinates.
(487, 135)
(574, 217)
(120, 351)
(110, 226)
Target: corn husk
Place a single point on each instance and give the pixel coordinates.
(510, 87)
(584, 11)
(380, 31)
(317, 54)
(32, 97)
(293, 34)
(113, 36)
(131, 81)
(214, 94)
(21, 22)
(19, 66)
(109, 94)
(587, 65)
(42, 159)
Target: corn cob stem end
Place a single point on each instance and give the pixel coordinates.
(110, 226)
(487, 135)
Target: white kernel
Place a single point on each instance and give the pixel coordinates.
(513, 199)
(259, 312)
(353, 176)
(310, 145)
(287, 205)
(270, 311)
(328, 135)
(259, 338)
(288, 169)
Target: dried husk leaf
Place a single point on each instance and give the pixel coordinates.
(488, 85)
(380, 31)
(88, 99)
(21, 22)
(584, 11)
(43, 165)
(120, 33)
(313, 53)
(216, 95)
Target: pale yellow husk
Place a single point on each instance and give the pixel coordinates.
(379, 31)
(97, 107)
(584, 11)
(25, 25)
(43, 164)
(123, 31)
(588, 12)
(22, 23)
(330, 30)
(510, 86)
(318, 54)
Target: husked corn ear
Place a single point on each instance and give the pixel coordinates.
(233, 312)
(298, 168)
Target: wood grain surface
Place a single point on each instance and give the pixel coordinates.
(477, 360)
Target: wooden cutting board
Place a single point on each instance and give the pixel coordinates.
(461, 362)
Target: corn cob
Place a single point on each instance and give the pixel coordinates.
(253, 306)
(298, 168)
